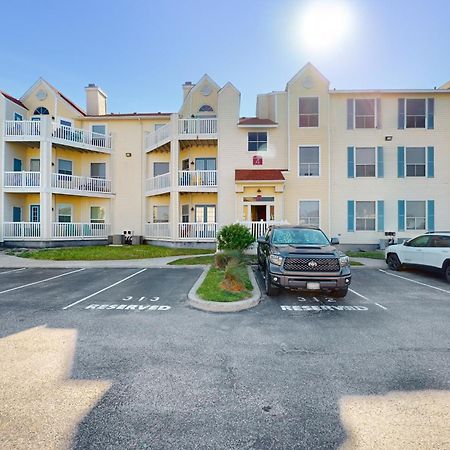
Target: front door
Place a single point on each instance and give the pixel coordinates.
(17, 165)
(35, 165)
(259, 213)
(205, 163)
(205, 213)
(17, 214)
(35, 213)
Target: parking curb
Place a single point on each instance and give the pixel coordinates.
(204, 305)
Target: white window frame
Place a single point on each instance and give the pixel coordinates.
(256, 152)
(304, 177)
(101, 124)
(204, 206)
(376, 161)
(16, 114)
(98, 162)
(318, 111)
(376, 217)
(63, 159)
(406, 165)
(31, 208)
(63, 119)
(309, 200)
(375, 117)
(64, 205)
(154, 216)
(97, 220)
(405, 103)
(415, 218)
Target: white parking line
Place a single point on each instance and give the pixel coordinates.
(366, 299)
(414, 281)
(104, 289)
(11, 271)
(40, 281)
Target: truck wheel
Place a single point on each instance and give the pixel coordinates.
(270, 289)
(447, 272)
(340, 293)
(393, 262)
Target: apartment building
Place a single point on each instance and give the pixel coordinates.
(356, 163)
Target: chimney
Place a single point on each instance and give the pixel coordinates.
(187, 86)
(95, 100)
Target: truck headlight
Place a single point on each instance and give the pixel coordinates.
(276, 259)
(344, 261)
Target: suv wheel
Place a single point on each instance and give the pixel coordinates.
(393, 262)
(270, 289)
(447, 272)
(340, 293)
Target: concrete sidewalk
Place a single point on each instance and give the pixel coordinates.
(370, 262)
(7, 261)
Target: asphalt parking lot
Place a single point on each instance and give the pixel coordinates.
(298, 371)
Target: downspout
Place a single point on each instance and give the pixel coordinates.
(330, 168)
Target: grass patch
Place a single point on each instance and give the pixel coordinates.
(356, 263)
(193, 261)
(211, 289)
(105, 252)
(376, 254)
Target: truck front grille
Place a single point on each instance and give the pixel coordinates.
(312, 264)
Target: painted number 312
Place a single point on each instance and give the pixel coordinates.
(128, 298)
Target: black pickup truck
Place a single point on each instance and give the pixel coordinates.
(302, 257)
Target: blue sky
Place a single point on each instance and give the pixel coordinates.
(140, 52)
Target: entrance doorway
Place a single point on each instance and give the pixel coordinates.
(258, 213)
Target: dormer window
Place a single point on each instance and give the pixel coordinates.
(41, 111)
(206, 108)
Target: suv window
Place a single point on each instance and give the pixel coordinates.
(298, 236)
(421, 241)
(440, 241)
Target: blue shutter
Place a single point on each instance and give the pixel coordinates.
(350, 113)
(401, 113)
(430, 162)
(351, 162)
(430, 215)
(401, 215)
(380, 162)
(401, 162)
(430, 114)
(350, 215)
(380, 215)
(378, 124)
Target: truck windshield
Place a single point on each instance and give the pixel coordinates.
(299, 236)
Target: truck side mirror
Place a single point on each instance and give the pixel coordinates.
(261, 240)
(334, 241)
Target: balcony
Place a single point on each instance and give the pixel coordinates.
(77, 185)
(158, 184)
(21, 230)
(259, 228)
(20, 181)
(35, 130)
(197, 180)
(197, 231)
(157, 230)
(69, 231)
(187, 129)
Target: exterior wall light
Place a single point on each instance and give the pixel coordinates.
(128, 155)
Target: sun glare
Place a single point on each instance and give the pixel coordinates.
(324, 25)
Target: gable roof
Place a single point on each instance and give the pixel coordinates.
(258, 175)
(13, 99)
(308, 65)
(197, 85)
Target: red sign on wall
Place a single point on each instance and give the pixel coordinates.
(257, 160)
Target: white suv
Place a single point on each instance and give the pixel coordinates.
(430, 250)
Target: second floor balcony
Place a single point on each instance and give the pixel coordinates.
(36, 130)
(187, 180)
(186, 129)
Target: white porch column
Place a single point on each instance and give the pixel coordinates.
(174, 215)
(46, 179)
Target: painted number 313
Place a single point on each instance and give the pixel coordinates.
(128, 298)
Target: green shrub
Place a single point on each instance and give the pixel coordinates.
(232, 280)
(228, 257)
(235, 237)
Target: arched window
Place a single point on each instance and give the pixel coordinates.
(205, 108)
(41, 111)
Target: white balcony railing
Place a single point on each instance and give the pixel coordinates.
(157, 230)
(197, 126)
(197, 231)
(21, 230)
(158, 137)
(77, 137)
(80, 136)
(18, 128)
(80, 230)
(197, 178)
(77, 183)
(157, 183)
(259, 228)
(22, 179)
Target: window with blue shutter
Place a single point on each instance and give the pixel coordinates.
(401, 162)
(350, 113)
(401, 113)
(401, 215)
(430, 113)
(430, 215)
(380, 215)
(351, 162)
(380, 162)
(350, 215)
(378, 113)
(430, 162)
